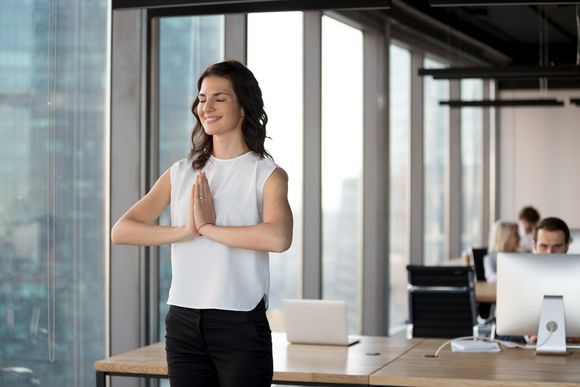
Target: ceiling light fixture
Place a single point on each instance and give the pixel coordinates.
(575, 101)
(473, 3)
(232, 6)
(458, 103)
(512, 72)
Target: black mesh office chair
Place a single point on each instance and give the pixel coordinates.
(441, 301)
(477, 255)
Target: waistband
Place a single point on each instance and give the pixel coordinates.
(224, 315)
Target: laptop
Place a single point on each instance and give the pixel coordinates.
(317, 322)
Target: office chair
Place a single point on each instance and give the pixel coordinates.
(477, 255)
(441, 301)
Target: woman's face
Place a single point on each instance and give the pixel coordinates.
(218, 109)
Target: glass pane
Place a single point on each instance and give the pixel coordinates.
(52, 112)
(342, 134)
(471, 166)
(436, 132)
(275, 48)
(400, 155)
(187, 46)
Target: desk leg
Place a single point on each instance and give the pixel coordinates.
(101, 379)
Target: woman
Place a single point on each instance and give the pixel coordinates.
(229, 208)
(503, 238)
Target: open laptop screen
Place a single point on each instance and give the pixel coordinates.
(317, 322)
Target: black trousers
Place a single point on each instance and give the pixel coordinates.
(218, 348)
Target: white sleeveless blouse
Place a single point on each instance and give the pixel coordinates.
(208, 274)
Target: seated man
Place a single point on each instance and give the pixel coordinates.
(552, 236)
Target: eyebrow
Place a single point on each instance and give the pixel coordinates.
(214, 94)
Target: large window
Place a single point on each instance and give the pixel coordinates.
(400, 155)
(187, 46)
(436, 163)
(52, 114)
(275, 48)
(471, 166)
(342, 134)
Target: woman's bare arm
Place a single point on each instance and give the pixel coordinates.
(273, 234)
(137, 226)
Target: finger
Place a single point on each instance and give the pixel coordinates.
(202, 191)
(206, 184)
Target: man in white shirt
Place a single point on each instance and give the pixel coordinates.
(551, 236)
(527, 220)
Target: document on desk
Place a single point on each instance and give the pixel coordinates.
(474, 346)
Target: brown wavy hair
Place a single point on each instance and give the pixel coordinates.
(249, 97)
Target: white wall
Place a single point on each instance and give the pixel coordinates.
(540, 158)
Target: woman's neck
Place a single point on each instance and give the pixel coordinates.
(229, 149)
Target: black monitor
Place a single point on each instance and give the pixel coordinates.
(539, 294)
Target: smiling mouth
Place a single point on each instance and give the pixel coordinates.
(210, 120)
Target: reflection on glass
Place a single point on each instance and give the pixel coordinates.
(342, 130)
(400, 154)
(471, 165)
(275, 48)
(52, 296)
(187, 46)
(436, 145)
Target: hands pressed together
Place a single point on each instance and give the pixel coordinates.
(201, 207)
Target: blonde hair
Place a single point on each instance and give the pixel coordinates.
(500, 233)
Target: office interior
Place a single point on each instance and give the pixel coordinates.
(96, 99)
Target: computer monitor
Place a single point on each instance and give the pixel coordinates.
(575, 243)
(539, 294)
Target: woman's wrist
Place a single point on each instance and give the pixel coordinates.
(203, 227)
(186, 233)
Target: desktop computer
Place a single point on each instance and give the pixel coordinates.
(539, 295)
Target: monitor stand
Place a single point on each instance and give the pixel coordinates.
(552, 330)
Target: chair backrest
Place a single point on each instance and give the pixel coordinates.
(477, 254)
(441, 301)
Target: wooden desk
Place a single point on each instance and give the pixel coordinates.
(485, 291)
(511, 367)
(304, 364)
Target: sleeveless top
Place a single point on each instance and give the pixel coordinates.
(207, 274)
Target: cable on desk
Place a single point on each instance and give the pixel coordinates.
(507, 344)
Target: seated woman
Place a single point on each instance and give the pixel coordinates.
(503, 238)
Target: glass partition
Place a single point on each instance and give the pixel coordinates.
(436, 165)
(275, 46)
(342, 135)
(400, 156)
(187, 45)
(471, 166)
(53, 61)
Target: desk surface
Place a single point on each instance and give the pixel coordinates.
(485, 291)
(292, 362)
(511, 367)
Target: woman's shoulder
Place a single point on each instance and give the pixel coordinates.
(181, 166)
(264, 161)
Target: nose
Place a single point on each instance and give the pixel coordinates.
(208, 105)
